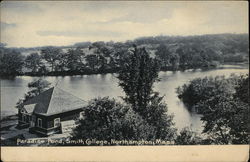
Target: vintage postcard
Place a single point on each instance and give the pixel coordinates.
(112, 80)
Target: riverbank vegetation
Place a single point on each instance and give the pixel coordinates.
(173, 53)
(224, 105)
(143, 115)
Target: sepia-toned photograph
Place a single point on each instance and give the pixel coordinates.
(124, 73)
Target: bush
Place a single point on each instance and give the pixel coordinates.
(106, 119)
(188, 137)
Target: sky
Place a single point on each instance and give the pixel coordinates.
(37, 23)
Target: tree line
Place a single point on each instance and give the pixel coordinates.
(173, 53)
(143, 115)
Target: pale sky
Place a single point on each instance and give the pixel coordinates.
(29, 24)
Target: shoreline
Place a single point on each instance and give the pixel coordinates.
(222, 66)
(243, 65)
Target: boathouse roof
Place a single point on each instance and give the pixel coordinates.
(53, 101)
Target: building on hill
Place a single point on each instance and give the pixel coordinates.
(43, 114)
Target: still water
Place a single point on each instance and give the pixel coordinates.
(91, 86)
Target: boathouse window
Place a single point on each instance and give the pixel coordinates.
(82, 114)
(56, 122)
(39, 122)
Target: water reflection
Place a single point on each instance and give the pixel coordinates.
(90, 86)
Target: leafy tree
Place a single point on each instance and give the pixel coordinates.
(102, 52)
(101, 49)
(240, 123)
(188, 137)
(174, 61)
(227, 121)
(156, 115)
(185, 55)
(33, 61)
(202, 89)
(113, 63)
(103, 63)
(39, 85)
(61, 63)
(43, 70)
(137, 77)
(51, 55)
(11, 62)
(242, 89)
(224, 113)
(163, 54)
(92, 61)
(106, 119)
(120, 54)
(75, 59)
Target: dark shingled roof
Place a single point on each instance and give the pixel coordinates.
(54, 101)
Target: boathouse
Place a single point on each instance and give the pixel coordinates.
(44, 114)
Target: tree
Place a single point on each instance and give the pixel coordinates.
(51, 55)
(35, 88)
(203, 89)
(174, 61)
(242, 89)
(33, 61)
(101, 49)
(239, 124)
(102, 52)
(188, 137)
(103, 63)
(92, 61)
(106, 119)
(39, 85)
(186, 55)
(75, 59)
(224, 113)
(163, 54)
(137, 77)
(11, 62)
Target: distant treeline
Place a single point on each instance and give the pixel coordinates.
(173, 53)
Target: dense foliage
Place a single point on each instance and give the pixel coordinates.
(188, 137)
(136, 78)
(33, 62)
(142, 116)
(11, 61)
(224, 104)
(174, 53)
(106, 119)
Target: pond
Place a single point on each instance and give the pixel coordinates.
(91, 86)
